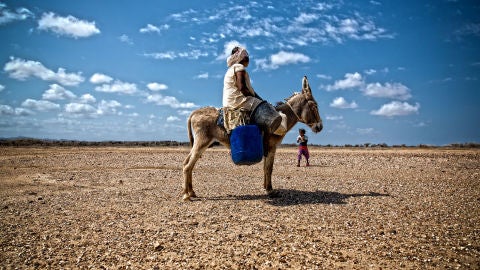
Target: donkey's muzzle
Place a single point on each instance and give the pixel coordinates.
(317, 127)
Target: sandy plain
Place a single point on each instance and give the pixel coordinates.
(121, 208)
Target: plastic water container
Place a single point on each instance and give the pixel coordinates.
(246, 145)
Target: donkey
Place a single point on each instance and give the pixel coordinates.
(300, 107)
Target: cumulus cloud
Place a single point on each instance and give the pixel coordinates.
(7, 16)
(282, 58)
(40, 105)
(202, 76)
(87, 98)
(324, 77)
(150, 28)
(352, 80)
(1, 88)
(99, 78)
(108, 107)
(172, 119)
(334, 117)
(387, 90)
(125, 39)
(118, 87)
(80, 110)
(306, 18)
(396, 108)
(67, 26)
(6, 110)
(169, 101)
(154, 86)
(341, 103)
(22, 69)
(57, 92)
(365, 131)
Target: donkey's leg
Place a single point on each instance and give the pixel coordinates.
(268, 168)
(199, 146)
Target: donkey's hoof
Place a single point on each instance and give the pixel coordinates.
(192, 194)
(186, 198)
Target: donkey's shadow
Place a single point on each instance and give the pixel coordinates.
(288, 197)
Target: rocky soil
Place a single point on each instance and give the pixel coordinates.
(121, 208)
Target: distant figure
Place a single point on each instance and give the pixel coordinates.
(302, 141)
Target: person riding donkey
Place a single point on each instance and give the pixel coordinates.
(240, 101)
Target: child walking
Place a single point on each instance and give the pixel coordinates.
(302, 140)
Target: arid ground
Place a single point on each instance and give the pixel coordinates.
(121, 208)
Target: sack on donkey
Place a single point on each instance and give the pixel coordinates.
(246, 145)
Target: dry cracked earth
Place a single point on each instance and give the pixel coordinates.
(121, 208)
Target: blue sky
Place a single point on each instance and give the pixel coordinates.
(395, 72)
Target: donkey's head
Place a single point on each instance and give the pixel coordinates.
(305, 107)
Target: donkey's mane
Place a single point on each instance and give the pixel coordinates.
(280, 103)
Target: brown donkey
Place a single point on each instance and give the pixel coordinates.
(300, 107)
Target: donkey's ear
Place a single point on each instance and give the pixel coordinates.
(305, 86)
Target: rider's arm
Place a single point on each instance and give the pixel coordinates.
(241, 84)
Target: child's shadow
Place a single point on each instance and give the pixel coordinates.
(288, 197)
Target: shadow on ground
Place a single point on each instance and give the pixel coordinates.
(287, 197)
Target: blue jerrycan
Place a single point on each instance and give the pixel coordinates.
(246, 145)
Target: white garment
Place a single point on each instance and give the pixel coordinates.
(232, 96)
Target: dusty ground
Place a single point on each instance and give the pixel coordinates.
(120, 208)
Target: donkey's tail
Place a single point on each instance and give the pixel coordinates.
(189, 128)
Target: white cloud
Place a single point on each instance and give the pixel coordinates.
(157, 86)
(388, 90)
(6, 110)
(202, 76)
(282, 58)
(164, 55)
(98, 78)
(357, 28)
(1, 88)
(40, 105)
(172, 119)
(324, 77)
(365, 131)
(169, 101)
(305, 18)
(341, 103)
(57, 92)
(108, 107)
(67, 26)
(80, 109)
(7, 16)
(334, 117)
(125, 39)
(396, 108)
(150, 28)
(87, 98)
(184, 112)
(193, 55)
(351, 80)
(323, 6)
(22, 69)
(370, 71)
(118, 87)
